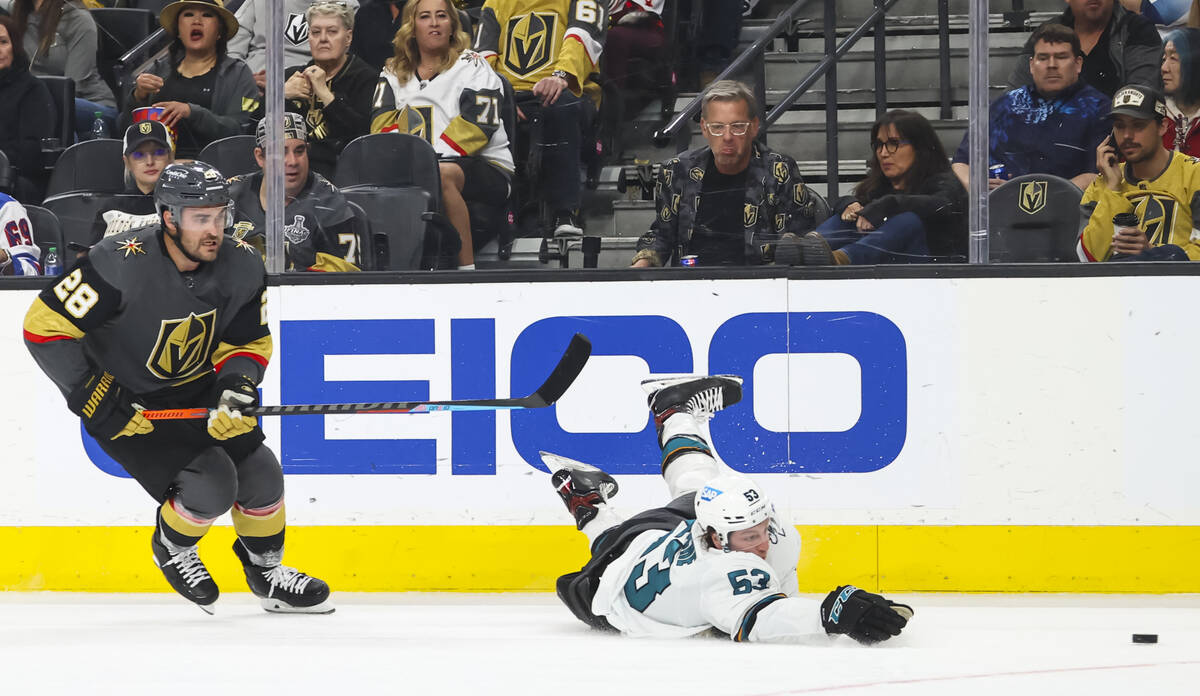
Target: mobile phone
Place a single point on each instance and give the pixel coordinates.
(1117, 157)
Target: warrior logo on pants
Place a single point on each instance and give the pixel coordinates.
(182, 346)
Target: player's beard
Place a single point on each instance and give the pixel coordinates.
(177, 239)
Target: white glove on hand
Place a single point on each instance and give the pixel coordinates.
(233, 393)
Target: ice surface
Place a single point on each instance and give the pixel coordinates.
(55, 643)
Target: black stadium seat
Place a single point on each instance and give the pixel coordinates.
(120, 29)
(47, 233)
(62, 93)
(395, 178)
(92, 165)
(77, 213)
(231, 156)
(1034, 218)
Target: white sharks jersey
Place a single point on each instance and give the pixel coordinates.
(17, 240)
(672, 585)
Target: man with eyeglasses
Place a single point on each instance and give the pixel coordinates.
(732, 202)
(1050, 126)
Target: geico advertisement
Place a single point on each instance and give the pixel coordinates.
(923, 401)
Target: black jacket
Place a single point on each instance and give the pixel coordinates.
(940, 202)
(332, 126)
(27, 115)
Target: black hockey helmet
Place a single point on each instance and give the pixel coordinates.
(190, 185)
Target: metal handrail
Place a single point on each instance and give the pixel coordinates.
(744, 61)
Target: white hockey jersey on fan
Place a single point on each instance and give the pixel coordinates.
(457, 112)
(22, 253)
(675, 585)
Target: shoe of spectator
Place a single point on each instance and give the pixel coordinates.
(566, 225)
(816, 250)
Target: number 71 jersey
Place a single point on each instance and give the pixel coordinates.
(672, 585)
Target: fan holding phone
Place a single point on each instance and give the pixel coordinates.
(1139, 177)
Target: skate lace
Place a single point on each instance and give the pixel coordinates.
(706, 403)
(190, 567)
(287, 579)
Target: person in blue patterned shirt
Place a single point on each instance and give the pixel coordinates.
(1051, 126)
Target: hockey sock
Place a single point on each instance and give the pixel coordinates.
(179, 526)
(261, 531)
(688, 468)
(606, 518)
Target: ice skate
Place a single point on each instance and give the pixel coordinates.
(185, 572)
(582, 487)
(282, 589)
(701, 396)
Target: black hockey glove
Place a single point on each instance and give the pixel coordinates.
(865, 617)
(107, 408)
(234, 391)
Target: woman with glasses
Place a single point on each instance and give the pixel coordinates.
(204, 94)
(436, 89)
(910, 208)
(250, 41)
(147, 150)
(333, 90)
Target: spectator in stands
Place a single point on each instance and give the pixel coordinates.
(333, 91)
(1119, 47)
(249, 43)
(910, 208)
(1163, 13)
(18, 253)
(377, 22)
(319, 231)
(435, 89)
(1159, 186)
(731, 202)
(148, 149)
(549, 50)
(636, 42)
(1051, 126)
(1181, 83)
(206, 94)
(26, 114)
(60, 38)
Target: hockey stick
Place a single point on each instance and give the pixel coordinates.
(565, 372)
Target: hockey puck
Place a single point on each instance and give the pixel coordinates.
(1145, 637)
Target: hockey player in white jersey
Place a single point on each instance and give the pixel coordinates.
(718, 556)
(18, 254)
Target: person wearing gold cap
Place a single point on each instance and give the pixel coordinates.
(205, 94)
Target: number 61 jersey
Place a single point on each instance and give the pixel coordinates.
(675, 585)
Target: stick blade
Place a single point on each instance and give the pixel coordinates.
(568, 368)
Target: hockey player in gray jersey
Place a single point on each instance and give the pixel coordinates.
(718, 556)
(174, 316)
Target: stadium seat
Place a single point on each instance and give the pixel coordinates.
(156, 6)
(92, 165)
(1034, 218)
(369, 248)
(47, 233)
(8, 176)
(403, 170)
(820, 209)
(62, 93)
(77, 214)
(120, 29)
(231, 156)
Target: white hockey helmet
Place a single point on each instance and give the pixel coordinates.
(731, 503)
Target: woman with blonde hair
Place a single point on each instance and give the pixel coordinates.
(434, 88)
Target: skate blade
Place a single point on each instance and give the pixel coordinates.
(276, 606)
(555, 462)
(210, 609)
(653, 384)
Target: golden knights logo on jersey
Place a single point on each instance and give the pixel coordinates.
(182, 347)
(1032, 197)
(531, 40)
(418, 121)
(1157, 213)
(750, 214)
(781, 172)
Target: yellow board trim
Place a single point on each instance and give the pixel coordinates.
(530, 558)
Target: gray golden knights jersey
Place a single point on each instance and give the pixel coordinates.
(125, 308)
(457, 112)
(674, 585)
